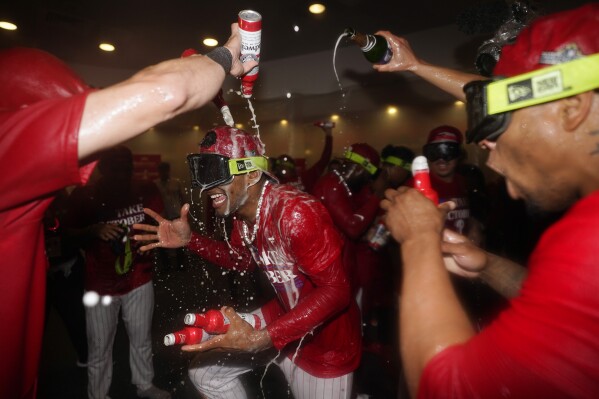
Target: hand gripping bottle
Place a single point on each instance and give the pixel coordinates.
(187, 336)
(215, 322)
(377, 235)
(422, 180)
(220, 103)
(250, 28)
(375, 47)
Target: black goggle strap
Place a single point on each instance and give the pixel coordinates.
(544, 85)
(240, 166)
(398, 162)
(359, 159)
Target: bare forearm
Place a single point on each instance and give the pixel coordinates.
(431, 315)
(504, 276)
(155, 94)
(450, 80)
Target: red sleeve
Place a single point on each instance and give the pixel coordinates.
(311, 175)
(545, 344)
(229, 256)
(352, 223)
(39, 148)
(319, 257)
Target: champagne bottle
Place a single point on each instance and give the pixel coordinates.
(375, 47)
(422, 180)
(215, 322)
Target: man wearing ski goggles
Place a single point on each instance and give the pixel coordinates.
(490, 103)
(211, 170)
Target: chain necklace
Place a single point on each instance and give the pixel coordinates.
(250, 239)
(342, 181)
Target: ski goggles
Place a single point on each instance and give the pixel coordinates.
(444, 150)
(395, 161)
(211, 170)
(359, 159)
(489, 103)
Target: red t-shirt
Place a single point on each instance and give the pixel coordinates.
(545, 345)
(38, 156)
(299, 249)
(114, 267)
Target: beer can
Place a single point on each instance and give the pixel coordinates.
(250, 29)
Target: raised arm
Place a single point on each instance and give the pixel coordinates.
(450, 80)
(154, 95)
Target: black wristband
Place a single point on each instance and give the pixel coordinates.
(223, 57)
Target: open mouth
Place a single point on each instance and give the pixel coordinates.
(218, 199)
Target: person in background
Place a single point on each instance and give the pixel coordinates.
(51, 125)
(349, 197)
(173, 198)
(545, 145)
(313, 321)
(100, 216)
(285, 167)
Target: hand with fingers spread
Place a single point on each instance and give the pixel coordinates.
(410, 214)
(240, 336)
(168, 234)
(462, 256)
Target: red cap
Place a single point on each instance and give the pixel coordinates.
(367, 152)
(552, 40)
(29, 75)
(445, 133)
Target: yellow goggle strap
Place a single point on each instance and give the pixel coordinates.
(398, 162)
(544, 85)
(240, 166)
(359, 159)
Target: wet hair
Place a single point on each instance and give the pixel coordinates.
(400, 151)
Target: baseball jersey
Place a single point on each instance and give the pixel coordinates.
(38, 156)
(456, 191)
(545, 344)
(114, 267)
(300, 251)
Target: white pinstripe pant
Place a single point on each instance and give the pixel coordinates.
(220, 379)
(102, 321)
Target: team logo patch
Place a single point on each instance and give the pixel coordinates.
(536, 87)
(567, 53)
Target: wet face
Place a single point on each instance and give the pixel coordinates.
(530, 157)
(229, 198)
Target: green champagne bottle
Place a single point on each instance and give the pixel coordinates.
(375, 47)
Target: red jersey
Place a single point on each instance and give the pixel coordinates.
(114, 267)
(545, 344)
(38, 156)
(299, 249)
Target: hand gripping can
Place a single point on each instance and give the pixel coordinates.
(250, 28)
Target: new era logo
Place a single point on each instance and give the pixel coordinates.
(536, 87)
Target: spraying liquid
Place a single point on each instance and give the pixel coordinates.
(334, 65)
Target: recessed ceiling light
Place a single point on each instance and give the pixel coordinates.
(391, 110)
(284, 122)
(288, 95)
(335, 117)
(316, 8)
(106, 47)
(296, 28)
(7, 25)
(210, 42)
(458, 103)
(239, 125)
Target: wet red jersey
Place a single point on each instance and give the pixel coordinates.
(38, 156)
(545, 344)
(299, 249)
